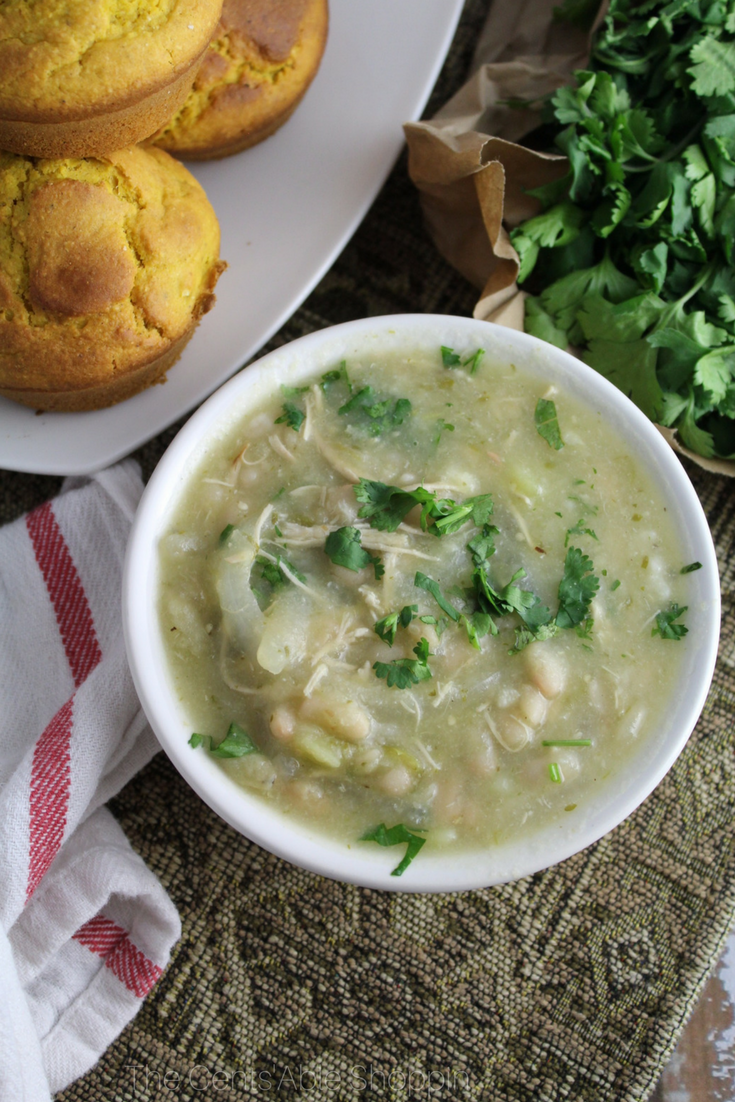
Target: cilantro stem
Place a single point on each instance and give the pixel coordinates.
(671, 154)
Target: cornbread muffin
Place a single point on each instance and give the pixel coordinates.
(106, 267)
(79, 78)
(262, 59)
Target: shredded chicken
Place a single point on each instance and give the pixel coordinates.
(278, 446)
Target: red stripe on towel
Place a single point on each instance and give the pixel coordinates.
(103, 936)
(66, 591)
(100, 934)
(49, 794)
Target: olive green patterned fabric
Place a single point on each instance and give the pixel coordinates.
(572, 984)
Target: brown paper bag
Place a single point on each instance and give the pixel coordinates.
(472, 173)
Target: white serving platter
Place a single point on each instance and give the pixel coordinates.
(287, 208)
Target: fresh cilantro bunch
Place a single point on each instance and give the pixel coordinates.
(631, 259)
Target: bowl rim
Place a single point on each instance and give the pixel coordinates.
(365, 865)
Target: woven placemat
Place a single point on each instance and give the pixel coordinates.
(572, 984)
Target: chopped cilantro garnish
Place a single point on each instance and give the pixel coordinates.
(526, 635)
(403, 672)
(338, 374)
(396, 836)
(448, 517)
(473, 360)
(615, 585)
(386, 506)
(451, 360)
(293, 391)
(482, 546)
(577, 588)
(270, 578)
(437, 624)
(477, 625)
(584, 630)
(547, 424)
(291, 416)
(442, 426)
(374, 414)
(388, 626)
(236, 743)
(579, 530)
(226, 533)
(344, 549)
(450, 357)
(555, 773)
(421, 581)
(691, 568)
(665, 626)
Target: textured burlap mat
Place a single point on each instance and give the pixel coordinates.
(572, 984)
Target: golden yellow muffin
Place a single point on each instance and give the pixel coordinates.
(79, 78)
(106, 266)
(254, 74)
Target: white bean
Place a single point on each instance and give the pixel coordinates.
(344, 718)
(283, 723)
(546, 670)
(531, 708)
(396, 782)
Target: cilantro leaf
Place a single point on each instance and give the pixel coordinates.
(388, 626)
(579, 530)
(547, 424)
(451, 359)
(376, 415)
(691, 568)
(449, 518)
(336, 375)
(404, 672)
(225, 534)
(345, 549)
(236, 743)
(291, 416)
(421, 581)
(665, 626)
(269, 578)
(577, 588)
(386, 506)
(473, 360)
(631, 367)
(714, 68)
(396, 836)
(478, 625)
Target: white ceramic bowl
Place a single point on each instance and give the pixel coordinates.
(371, 865)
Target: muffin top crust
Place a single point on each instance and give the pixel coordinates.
(258, 65)
(68, 59)
(103, 263)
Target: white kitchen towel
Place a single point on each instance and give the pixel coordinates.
(85, 928)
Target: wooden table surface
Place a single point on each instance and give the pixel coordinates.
(702, 1069)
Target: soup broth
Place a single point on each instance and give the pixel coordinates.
(430, 591)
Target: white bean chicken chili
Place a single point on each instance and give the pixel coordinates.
(426, 599)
